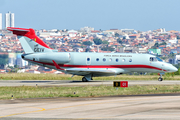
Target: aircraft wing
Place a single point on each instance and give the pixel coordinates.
(94, 71)
(90, 71)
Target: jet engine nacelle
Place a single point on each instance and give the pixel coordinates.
(59, 58)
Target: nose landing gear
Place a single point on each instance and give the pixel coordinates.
(160, 78)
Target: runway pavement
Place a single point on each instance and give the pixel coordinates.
(162, 106)
(80, 83)
(117, 107)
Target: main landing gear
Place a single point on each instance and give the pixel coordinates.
(87, 78)
(84, 79)
(160, 78)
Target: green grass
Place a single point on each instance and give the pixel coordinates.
(29, 76)
(87, 91)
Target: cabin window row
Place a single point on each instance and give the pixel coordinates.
(110, 59)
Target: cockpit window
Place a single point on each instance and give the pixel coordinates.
(153, 59)
(159, 59)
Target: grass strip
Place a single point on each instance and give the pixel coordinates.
(87, 91)
(30, 76)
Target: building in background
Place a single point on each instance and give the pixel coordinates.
(0, 21)
(155, 51)
(87, 29)
(15, 59)
(19, 61)
(9, 19)
(12, 59)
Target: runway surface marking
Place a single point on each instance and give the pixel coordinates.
(42, 109)
(112, 101)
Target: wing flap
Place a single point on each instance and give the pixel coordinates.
(90, 71)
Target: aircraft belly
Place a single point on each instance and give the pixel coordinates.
(142, 70)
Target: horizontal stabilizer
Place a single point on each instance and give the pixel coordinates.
(17, 29)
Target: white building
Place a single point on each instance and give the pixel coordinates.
(128, 30)
(175, 41)
(87, 29)
(47, 34)
(72, 33)
(9, 19)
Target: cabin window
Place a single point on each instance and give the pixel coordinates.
(110, 59)
(123, 60)
(104, 59)
(97, 59)
(88, 59)
(117, 59)
(130, 60)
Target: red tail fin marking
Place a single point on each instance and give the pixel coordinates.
(30, 33)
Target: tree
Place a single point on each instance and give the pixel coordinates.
(87, 49)
(124, 37)
(97, 41)
(53, 46)
(3, 59)
(116, 35)
(171, 55)
(89, 43)
(119, 41)
(105, 42)
(164, 43)
(155, 46)
(107, 49)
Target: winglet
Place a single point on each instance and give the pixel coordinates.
(57, 66)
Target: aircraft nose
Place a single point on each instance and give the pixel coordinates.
(174, 69)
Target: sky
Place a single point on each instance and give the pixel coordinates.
(140, 15)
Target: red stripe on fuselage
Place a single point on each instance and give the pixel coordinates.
(101, 66)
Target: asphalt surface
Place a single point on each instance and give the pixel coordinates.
(159, 106)
(117, 107)
(80, 83)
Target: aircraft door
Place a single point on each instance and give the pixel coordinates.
(88, 60)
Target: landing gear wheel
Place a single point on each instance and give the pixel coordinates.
(160, 79)
(84, 79)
